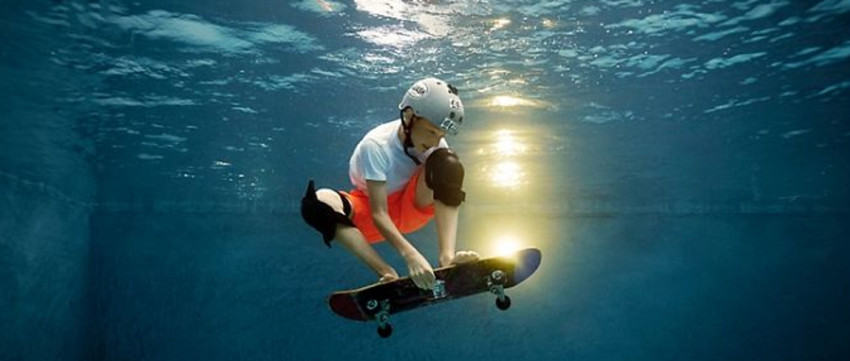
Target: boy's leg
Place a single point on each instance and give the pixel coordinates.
(354, 242)
(446, 218)
(424, 195)
(352, 239)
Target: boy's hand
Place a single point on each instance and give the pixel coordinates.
(420, 271)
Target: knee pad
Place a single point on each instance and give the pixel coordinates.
(321, 216)
(444, 175)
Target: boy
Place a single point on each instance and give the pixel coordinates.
(404, 174)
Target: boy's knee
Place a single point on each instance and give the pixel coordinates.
(331, 198)
(444, 175)
(322, 212)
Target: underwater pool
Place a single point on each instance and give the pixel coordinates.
(683, 166)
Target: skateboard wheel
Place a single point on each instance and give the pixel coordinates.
(385, 330)
(498, 277)
(372, 305)
(503, 304)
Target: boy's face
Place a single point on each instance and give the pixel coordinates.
(425, 134)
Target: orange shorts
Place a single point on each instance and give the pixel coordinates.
(403, 212)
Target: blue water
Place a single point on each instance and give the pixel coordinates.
(683, 166)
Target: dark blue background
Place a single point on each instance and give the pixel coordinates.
(152, 157)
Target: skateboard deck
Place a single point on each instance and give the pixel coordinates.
(378, 301)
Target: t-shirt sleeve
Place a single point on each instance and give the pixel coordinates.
(374, 164)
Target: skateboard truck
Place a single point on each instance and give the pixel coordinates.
(496, 284)
(382, 316)
(439, 290)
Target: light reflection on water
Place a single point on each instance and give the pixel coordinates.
(512, 101)
(504, 171)
(504, 160)
(506, 174)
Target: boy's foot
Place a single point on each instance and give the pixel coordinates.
(465, 256)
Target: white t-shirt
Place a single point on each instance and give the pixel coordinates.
(380, 157)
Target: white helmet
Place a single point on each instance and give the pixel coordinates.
(437, 101)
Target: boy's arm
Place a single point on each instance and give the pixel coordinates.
(420, 270)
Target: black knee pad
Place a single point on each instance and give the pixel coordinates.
(321, 216)
(444, 175)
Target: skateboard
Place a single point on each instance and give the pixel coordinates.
(378, 301)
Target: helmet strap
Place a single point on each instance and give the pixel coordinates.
(408, 142)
